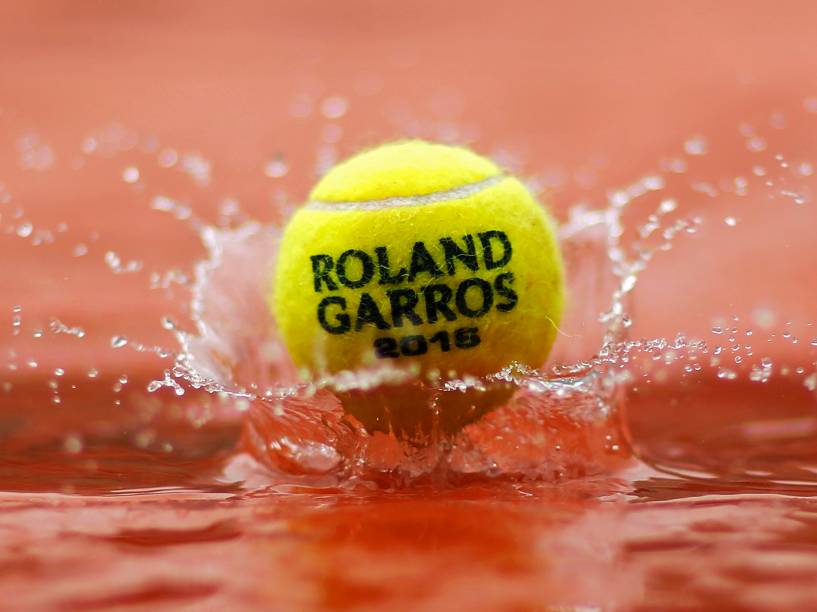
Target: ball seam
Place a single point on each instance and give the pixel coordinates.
(457, 193)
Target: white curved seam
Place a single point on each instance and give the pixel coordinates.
(457, 193)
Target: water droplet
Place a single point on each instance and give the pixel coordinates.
(197, 167)
(628, 283)
(730, 221)
(276, 168)
(805, 169)
(726, 374)
(93, 373)
(130, 174)
(89, 145)
(705, 187)
(334, 107)
(118, 341)
(24, 230)
(756, 144)
(810, 104)
(80, 250)
(695, 146)
(619, 198)
(114, 262)
(16, 320)
(763, 373)
(653, 183)
(667, 206)
(58, 327)
(177, 209)
(167, 158)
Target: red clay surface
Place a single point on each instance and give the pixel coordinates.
(595, 93)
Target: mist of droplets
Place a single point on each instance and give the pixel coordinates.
(730, 350)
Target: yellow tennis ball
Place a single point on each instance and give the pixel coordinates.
(424, 256)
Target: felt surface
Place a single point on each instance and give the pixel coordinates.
(400, 169)
(523, 333)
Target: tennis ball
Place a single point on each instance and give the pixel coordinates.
(421, 256)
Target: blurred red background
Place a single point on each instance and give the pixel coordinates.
(586, 96)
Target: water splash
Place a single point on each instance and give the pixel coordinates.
(229, 347)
